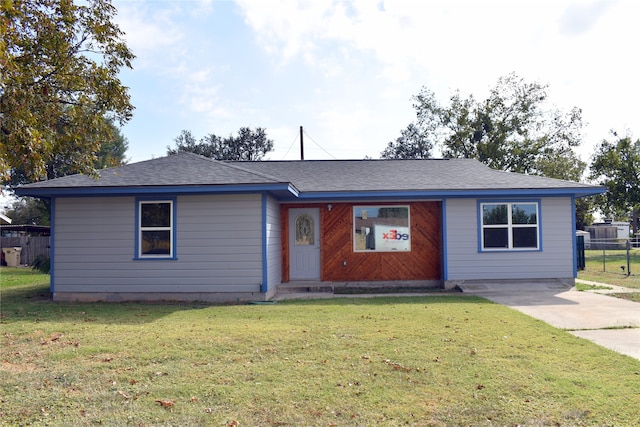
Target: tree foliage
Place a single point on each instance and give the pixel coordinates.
(511, 130)
(411, 144)
(247, 145)
(58, 82)
(616, 165)
(29, 211)
(112, 152)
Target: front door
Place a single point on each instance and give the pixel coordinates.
(304, 244)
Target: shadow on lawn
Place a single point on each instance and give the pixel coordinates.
(34, 303)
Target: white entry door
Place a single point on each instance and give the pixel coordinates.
(304, 244)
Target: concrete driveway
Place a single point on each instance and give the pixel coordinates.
(611, 322)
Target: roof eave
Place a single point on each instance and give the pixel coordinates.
(442, 194)
(287, 191)
(284, 189)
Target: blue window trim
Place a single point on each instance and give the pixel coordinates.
(174, 233)
(480, 202)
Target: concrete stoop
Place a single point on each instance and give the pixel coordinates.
(303, 289)
(496, 286)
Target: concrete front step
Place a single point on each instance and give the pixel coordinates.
(348, 288)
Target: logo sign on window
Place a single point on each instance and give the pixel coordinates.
(391, 238)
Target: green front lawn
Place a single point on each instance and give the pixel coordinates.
(438, 360)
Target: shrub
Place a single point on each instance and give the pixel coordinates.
(41, 264)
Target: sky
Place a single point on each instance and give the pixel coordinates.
(346, 70)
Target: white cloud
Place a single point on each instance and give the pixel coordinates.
(149, 32)
(347, 69)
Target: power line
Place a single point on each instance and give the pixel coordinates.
(289, 149)
(319, 146)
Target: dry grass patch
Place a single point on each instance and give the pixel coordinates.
(440, 360)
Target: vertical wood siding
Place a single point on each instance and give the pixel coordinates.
(465, 262)
(423, 262)
(218, 246)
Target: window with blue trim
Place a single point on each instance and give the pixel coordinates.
(155, 229)
(509, 226)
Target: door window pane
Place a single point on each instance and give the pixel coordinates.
(304, 230)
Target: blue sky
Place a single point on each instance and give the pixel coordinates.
(346, 70)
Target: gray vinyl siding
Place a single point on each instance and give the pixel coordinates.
(466, 262)
(274, 243)
(218, 246)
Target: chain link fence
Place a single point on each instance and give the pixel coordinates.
(612, 255)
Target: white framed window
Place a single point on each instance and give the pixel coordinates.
(155, 237)
(509, 226)
(381, 229)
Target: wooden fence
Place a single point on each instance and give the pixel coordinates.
(32, 247)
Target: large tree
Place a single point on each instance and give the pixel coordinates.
(512, 130)
(247, 145)
(412, 143)
(112, 153)
(58, 82)
(616, 165)
(29, 210)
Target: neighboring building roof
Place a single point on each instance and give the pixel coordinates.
(7, 229)
(309, 179)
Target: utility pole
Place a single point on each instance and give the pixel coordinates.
(301, 145)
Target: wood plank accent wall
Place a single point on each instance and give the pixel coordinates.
(424, 262)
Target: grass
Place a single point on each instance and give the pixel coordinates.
(12, 277)
(428, 361)
(588, 287)
(631, 296)
(609, 271)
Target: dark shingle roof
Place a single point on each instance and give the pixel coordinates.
(308, 177)
(176, 170)
(400, 175)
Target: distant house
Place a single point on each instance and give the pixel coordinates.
(185, 227)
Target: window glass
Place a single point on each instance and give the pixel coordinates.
(526, 213)
(156, 243)
(155, 214)
(496, 237)
(381, 228)
(525, 237)
(155, 230)
(304, 230)
(509, 225)
(494, 214)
